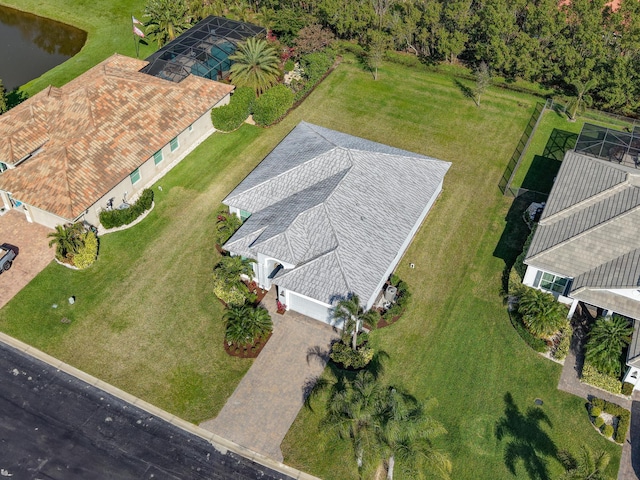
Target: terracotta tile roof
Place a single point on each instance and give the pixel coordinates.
(94, 131)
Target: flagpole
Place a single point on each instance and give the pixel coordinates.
(135, 37)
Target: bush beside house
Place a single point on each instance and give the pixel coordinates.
(117, 218)
(229, 117)
(75, 245)
(272, 105)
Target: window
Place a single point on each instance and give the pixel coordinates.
(191, 127)
(157, 157)
(135, 176)
(174, 144)
(244, 215)
(553, 283)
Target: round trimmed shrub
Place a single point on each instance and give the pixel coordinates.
(627, 388)
(272, 105)
(598, 422)
(595, 411)
(343, 355)
(229, 117)
(607, 431)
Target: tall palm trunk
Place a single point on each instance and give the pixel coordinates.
(354, 336)
(392, 463)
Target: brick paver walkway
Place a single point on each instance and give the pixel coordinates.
(34, 252)
(269, 397)
(570, 382)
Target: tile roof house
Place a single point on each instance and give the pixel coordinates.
(68, 152)
(586, 247)
(328, 214)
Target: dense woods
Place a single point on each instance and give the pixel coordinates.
(566, 45)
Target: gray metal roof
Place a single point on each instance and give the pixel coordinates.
(589, 231)
(338, 207)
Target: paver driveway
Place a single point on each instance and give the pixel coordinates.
(269, 397)
(34, 254)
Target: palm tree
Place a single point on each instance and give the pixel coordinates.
(226, 225)
(352, 413)
(246, 324)
(582, 99)
(256, 65)
(407, 433)
(606, 340)
(541, 313)
(587, 466)
(67, 239)
(353, 317)
(167, 19)
(229, 269)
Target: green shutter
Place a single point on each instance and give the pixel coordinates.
(157, 157)
(135, 176)
(174, 144)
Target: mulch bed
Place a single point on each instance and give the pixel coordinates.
(246, 351)
(384, 323)
(254, 288)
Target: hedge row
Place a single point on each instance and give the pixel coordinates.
(272, 105)
(624, 416)
(229, 117)
(593, 377)
(117, 218)
(315, 66)
(536, 343)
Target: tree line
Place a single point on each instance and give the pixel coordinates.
(564, 45)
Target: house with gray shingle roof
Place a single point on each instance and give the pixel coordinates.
(67, 153)
(586, 247)
(328, 214)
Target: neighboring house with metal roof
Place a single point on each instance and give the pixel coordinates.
(66, 153)
(328, 214)
(586, 247)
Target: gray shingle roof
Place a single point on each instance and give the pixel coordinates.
(589, 231)
(338, 207)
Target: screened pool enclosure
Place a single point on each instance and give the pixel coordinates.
(203, 50)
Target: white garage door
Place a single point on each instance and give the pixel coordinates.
(309, 308)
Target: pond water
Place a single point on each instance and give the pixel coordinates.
(31, 45)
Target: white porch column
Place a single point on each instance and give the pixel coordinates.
(572, 310)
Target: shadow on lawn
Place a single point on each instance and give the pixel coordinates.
(528, 442)
(515, 233)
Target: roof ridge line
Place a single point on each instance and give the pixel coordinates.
(333, 230)
(581, 234)
(265, 182)
(609, 192)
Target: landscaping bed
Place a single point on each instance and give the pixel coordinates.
(251, 350)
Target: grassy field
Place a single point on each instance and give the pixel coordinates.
(146, 320)
(108, 27)
(455, 343)
(553, 137)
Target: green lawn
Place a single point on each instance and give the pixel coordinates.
(553, 137)
(146, 320)
(455, 343)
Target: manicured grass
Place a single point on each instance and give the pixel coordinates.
(108, 27)
(455, 343)
(146, 320)
(553, 137)
(145, 317)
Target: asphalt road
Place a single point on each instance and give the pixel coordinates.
(54, 426)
